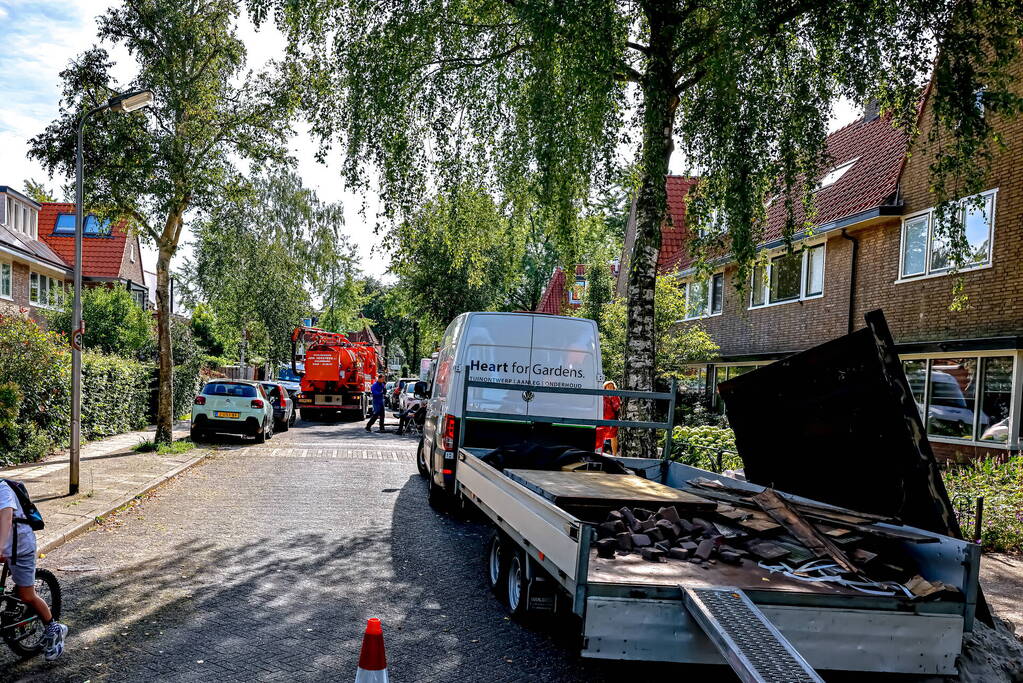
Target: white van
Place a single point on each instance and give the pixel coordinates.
(513, 348)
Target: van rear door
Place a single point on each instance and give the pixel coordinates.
(565, 353)
(497, 349)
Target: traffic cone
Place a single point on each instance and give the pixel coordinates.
(372, 661)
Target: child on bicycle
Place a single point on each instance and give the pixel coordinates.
(23, 569)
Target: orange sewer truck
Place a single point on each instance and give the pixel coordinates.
(338, 373)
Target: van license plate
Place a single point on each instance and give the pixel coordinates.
(221, 413)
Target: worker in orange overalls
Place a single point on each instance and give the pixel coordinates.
(612, 407)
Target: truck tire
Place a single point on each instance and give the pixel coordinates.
(516, 584)
(496, 565)
(310, 414)
(424, 471)
(438, 497)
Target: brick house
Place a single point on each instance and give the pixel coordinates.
(874, 245)
(110, 254)
(33, 277)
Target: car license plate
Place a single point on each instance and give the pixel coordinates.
(222, 413)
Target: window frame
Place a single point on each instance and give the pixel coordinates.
(929, 272)
(767, 265)
(978, 394)
(709, 301)
(7, 281)
(45, 286)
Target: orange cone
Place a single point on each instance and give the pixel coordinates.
(372, 661)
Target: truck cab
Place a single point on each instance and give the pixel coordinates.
(508, 348)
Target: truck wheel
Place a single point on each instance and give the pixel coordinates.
(424, 471)
(517, 584)
(497, 564)
(310, 414)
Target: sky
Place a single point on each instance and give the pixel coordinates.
(42, 36)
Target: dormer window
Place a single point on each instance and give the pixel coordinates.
(832, 176)
(93, 227)
(21, 217)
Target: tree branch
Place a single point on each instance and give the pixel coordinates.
(637, 46)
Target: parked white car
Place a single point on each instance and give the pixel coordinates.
(232, 406)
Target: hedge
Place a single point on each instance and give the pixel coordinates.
(699, 447)
(35, 385)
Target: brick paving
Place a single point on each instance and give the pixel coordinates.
(263, 562)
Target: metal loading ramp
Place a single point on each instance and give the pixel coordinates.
(751, 644)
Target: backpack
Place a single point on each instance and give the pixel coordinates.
(32, 516)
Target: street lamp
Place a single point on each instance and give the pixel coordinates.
(125, 103)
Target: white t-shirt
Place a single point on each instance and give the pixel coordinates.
(26, 537)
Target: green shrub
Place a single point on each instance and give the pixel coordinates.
(1000, 481)
(699, 446)
(115, 395)
(39, 364)
(114, 323)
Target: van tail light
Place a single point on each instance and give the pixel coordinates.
(200, 400)
(450, 428)
(256, 403)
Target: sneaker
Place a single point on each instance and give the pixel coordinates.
(53, 641)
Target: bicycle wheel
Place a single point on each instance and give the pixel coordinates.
(27, 640)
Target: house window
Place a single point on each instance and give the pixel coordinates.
(964, 398)
(705, 297)
(789, 277)
(925, 252)
(140, 299)
(832, 176)
(45, 291)
(575, 294)
(5, 280)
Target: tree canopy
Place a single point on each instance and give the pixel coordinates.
(432, 94)
(176, 157)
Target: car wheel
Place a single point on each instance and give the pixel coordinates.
(269, 429)
(197, 434)
(284, 426)
(261, 435)
(294, 416)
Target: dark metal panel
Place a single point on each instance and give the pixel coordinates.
(837, 423)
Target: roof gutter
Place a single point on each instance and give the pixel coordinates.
(4, 249)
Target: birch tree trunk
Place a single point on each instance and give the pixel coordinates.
(660, 102)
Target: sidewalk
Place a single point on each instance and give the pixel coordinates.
(111, 474)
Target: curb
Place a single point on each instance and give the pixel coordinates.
(85, 525)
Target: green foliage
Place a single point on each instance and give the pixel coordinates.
(115, 395)
(1000, 481)
(39, 364)
(456, 255)
(114, 323)
(699, 447)
(677, 346)
(206, 331)
(10, 405)
(38, 191)
(173, 448)
(175, 158)
(258, 257)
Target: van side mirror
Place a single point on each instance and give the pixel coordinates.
(421, 390)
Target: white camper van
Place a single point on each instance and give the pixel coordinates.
(512, 348)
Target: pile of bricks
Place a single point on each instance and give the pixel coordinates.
(667, 535)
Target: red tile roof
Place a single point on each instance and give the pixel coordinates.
(101, 256)
(674, 232)
(878, 149)
(554, 295)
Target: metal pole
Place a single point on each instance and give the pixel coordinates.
(77, 331)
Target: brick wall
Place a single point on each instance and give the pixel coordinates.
(918, 310)
(792, 326)
(132, 271)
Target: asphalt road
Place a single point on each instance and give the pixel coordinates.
(264, 562)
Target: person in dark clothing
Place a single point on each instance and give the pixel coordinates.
(379, 391)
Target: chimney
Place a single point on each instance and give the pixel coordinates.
(871, 110)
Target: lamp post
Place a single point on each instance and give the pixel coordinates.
(126, 103)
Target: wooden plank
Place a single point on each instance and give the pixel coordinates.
(818, 544)
(600, 487)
